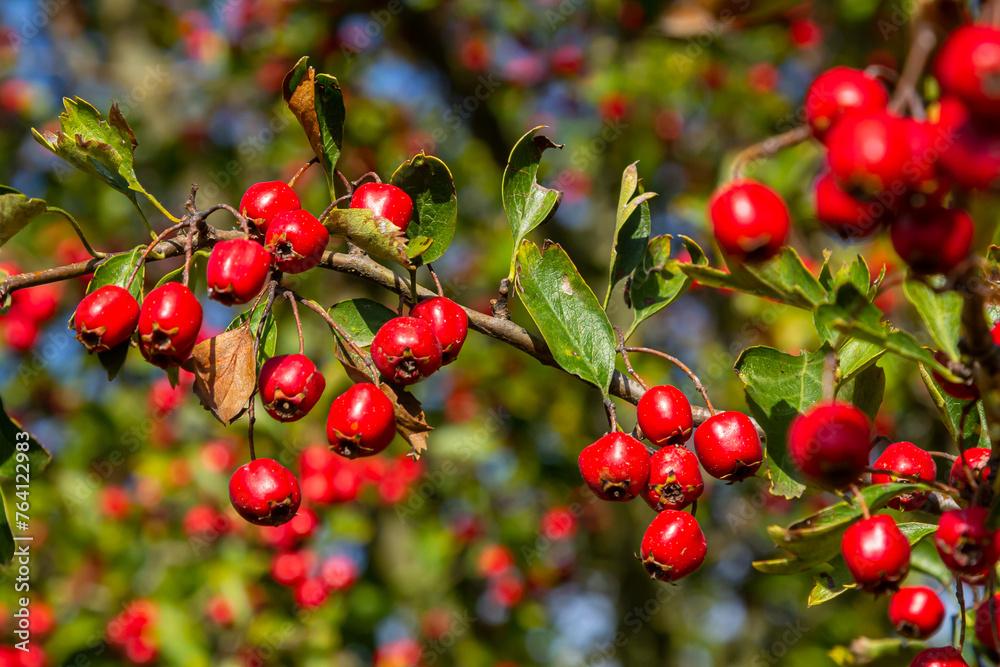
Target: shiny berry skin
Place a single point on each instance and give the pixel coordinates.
(830, 443)
(838, 91)
(664, 415)
(265, 493)
(385, 201)
(236, 271)
(984, 633)
(289, 386)
(870, 152)
(297, 240)
(877, 553)
(965, 543)
(405, 350)
(850, 218)
(105, 318)
(750, 220)
(262, 201)
(728, 446)
(946, 656)
(448, 321)
(968, 67)
(616, 467)
(674, 479)
(977, 458)
(916, 612)
(673, 546)
(361, 422)
(932, 240)
(905, 458)
(169, 323)
(964, 391)
(972, 146)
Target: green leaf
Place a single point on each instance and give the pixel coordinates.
(10, 436)
(570, 318)
(361, 319)
(941, 313)
(375, 235)
(16, 211)
(269, 337)
(116, 271)
(974, 433)
(199, 260)
(428, 182)
(631, 229)
(318, 103)
(854, 356)
(876, 652)
(526, 203)
(657, 282)
(924, 558)
(113, 360)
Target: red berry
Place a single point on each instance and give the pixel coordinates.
(385, 201)
(169, 322)
(664, 415)
(750, 220)
(237, 271)
(674, 479)
(964, 391)
(265, 493)
(616, 467)
(841, 90)
(852, 219)
(105, 318)
(558, 523)
(362, 422)
(965, 543)
(405, 350)
(968, 67)
(976, 458)
(673, 546)
(927, 140)
(971, 146)
(328, 478)
(907, 459)
(985, 618)
(877, 553)
(263, 201)
(870, 152)
(339, 572)
(449, 323)
(291, 567)
(830, 443)
(20, 330)
(728, 446)
(289, 386)
(933, 239)
(297, 240)
(946, 656)
(916, 612)
(311, 593)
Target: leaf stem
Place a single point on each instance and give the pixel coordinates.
(609, 409)
(160, 207)
(437, 283)
(142, 215)
(352, 346)
(76, 227)
(677, 362)
(861, 501)
(624, 352)
(413, 288)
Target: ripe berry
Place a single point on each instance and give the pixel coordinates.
(965, 543)
(830, 443)
(946, 656)
(664, 415)
(673, 546)
(405, 350)
(311, 593)
(674, 479)
(750, 220)
(361, 422)
(841, 90)
(291, 567)
(385, 201)
(972, 146)
(297, 241)
(263, 201)
(877, 553)
(289, 386)
(449, 323)
(169, 323)
(616, 467)
(264, 492)
(105, 318)
(963, 391)
(852, 219)
(728, 446)
(916, 612)
(984, 631)
(870, 152)
(905, 458)
(977, 458)
(968, 67)
(339, 572)
(237, 271)
(933, 239)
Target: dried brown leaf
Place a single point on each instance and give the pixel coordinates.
(225, 372)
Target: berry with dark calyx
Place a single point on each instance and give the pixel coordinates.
(905, 458)
(385, 201)
(265, 493)
(966, 545)
(263, 201)
(237, 271)
(664, 415)
(728, 446)
(932, 239)
(674, 479)
(105, 318)
(870, 152)
(830, 443)
(616, 467)
(946, 656)
(984, 621)
(976, 458)
(448, 321)
(750, 220)
(405, 350)
(916, 612)
(850, 218)
(838, 91)
(297, 240)
(169, 323)
(964, 391)
(968, 67)
(289, 386)
(673, 546)
(361, 421)
(877, 554)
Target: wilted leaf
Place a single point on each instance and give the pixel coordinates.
(318, 103)
(16, 211)
(225, 372)
(411, 422)
(375, 235)
(269, 336)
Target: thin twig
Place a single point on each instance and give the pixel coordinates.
(861, 501)
(298, 322)
(923, 43)
(149, 249)
(437, 283)
(301, 171)
(916, 479)
(358, 180)
(960, 594)
(413, 288)
(624, 352)
(677, 362)
(609, 409)
(336, 202)
(352, 346)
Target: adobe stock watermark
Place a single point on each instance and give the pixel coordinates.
(360, 36)
(683, 60)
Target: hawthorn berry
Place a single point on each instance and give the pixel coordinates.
(963, 391)
(976, 458)
(310, 593)
(838, 91)
(361, 422)
(972, 146)
(916, 612)
(263, 201)
(830, 443)
(968, 67)
(106, 318)
(264, 492)
(297, 240)
(616, 467)
(750, 220)
(664, 415)
(169, 323)
(728, 446)
(291, 567)
(932, 239)
(674, 479)
(984, 630)
(289, 386)
(966, 545)
(673, 546)
(870, 152)
(236, 271)
(405, 350)
(385, 201)
(339, 572)
(448, 321)
(946, 656)
(877, 553)
(907, 459)
(852, 219)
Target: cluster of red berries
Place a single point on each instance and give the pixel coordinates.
(29, 310)
(132, 632)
